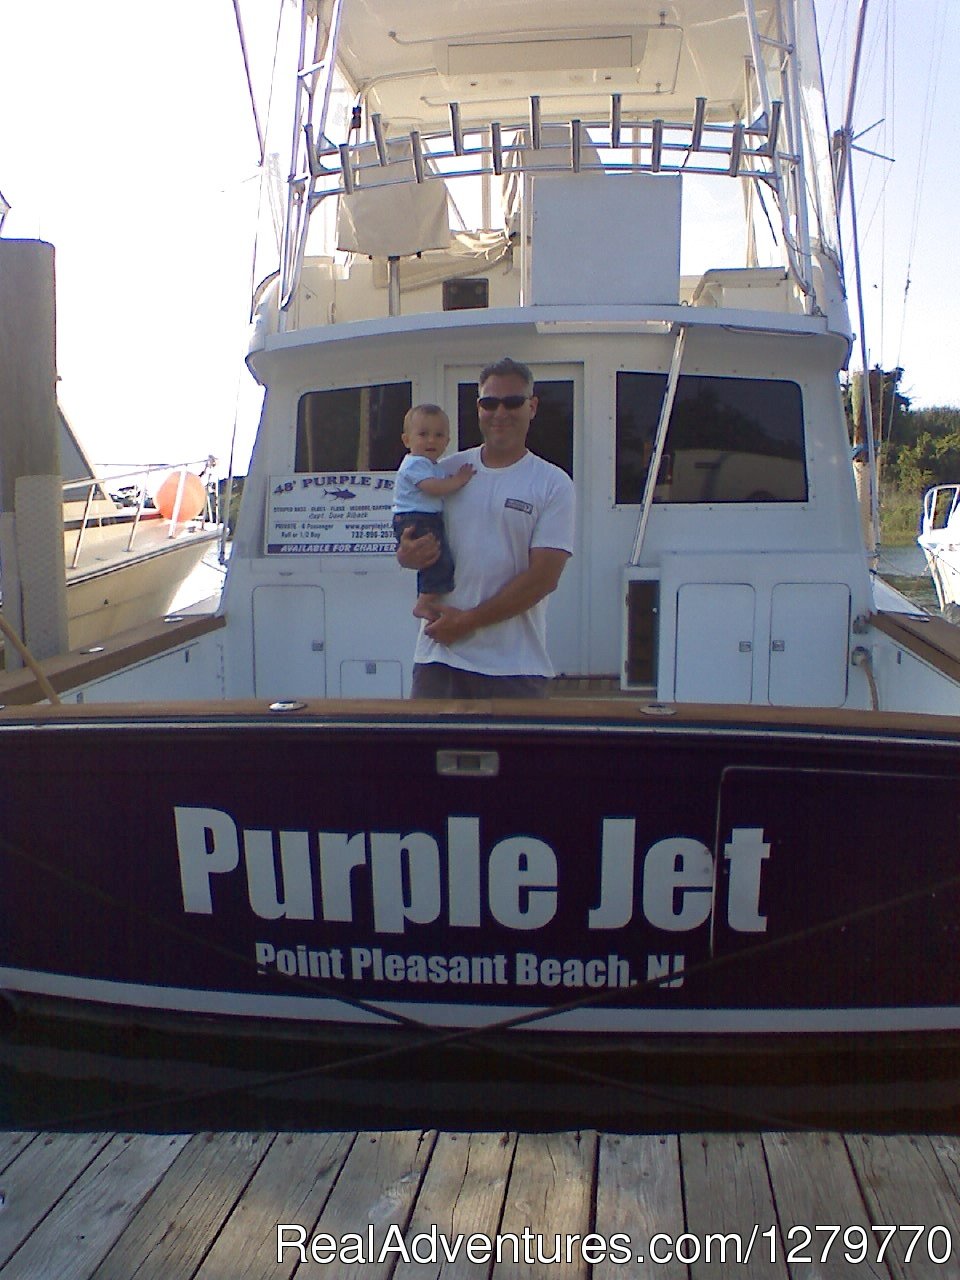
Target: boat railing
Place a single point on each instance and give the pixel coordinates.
(512, 147)
(86, 488)
(940, 507)
(695, 146)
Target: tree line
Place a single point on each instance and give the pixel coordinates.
(916, 448)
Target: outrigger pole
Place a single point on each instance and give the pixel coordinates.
(844, 170)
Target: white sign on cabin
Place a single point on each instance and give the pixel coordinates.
(329, 512)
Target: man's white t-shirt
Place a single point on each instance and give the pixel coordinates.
(492, 524)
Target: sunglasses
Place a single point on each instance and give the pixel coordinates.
(492, 403)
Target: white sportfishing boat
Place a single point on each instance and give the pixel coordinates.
(737, 815)
(939, 537)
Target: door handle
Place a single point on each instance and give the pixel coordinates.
(468, 764)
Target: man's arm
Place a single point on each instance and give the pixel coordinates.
(518, 595)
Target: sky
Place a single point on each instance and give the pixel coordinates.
(907, 208)
(127, 140)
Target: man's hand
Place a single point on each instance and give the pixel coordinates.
(417, 553)
(515, 597)
(450, 625)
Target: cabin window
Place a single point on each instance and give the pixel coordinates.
(352, 428)
(729, 440)
(551, 431)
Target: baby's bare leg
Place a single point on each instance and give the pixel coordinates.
(426, 606)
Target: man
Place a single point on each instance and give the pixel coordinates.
(511, 533)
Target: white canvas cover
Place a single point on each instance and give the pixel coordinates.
(394, 221)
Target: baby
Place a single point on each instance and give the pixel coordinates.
(418, 497)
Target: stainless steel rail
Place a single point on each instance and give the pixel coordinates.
(89, 485)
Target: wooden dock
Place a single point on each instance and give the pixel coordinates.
(142, 1206)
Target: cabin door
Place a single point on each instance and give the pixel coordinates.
(288, 642)
(555, 434)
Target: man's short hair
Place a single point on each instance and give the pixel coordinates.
(506, 368)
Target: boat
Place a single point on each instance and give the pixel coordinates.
(734, 822)
(81, 563)
(939, 538)
(125, 559)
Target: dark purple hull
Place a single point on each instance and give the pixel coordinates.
(621, 873)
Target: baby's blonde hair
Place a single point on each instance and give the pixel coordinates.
(432, 410)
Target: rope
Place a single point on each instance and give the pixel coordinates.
(46, 687)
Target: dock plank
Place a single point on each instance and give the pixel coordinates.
(550, 1192)
(171, 1232)
(639, 1193)
(96, 1207)
(12, 1144)
(905, 1185)
(377, 1186)
(815, 1187)
(207, 1206)
(947, 1148)
(462, 1194)
(291, 1186)
(728, 1193)
(36, 1179)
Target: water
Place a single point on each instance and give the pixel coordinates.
(906, 569)
(203, 585)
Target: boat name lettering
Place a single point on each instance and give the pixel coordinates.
(302, 875)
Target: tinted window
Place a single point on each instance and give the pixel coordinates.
(551, 431)
(729, 440)
(352, 428)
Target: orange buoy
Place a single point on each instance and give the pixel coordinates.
(192, 498)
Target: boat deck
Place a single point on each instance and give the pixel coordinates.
(208, 1205)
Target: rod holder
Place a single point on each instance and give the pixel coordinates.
(346, 168)
(416, 152)
(736, 149)
(377, 121)
(576, 144)
(496, 146)
(616, 119)
(699, 115)
(456, 129)
(656, 145)
(312, 161)
(773, 127)
(535, 135)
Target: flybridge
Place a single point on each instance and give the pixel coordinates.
(628, 100)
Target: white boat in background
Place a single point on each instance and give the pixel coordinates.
(939, 538)
(126, 561)
(738, 815)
